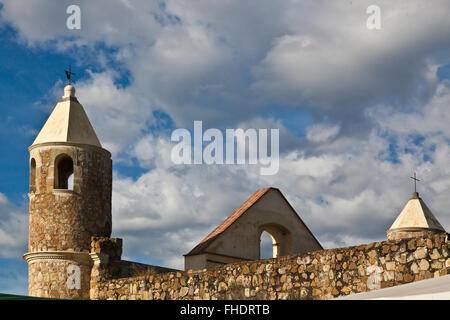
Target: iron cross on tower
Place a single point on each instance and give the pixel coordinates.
(69, 74)
(415, 181)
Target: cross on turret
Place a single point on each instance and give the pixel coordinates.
(415, 181)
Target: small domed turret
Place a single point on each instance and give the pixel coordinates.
(68, 123)
(69, 91)
(415, 220)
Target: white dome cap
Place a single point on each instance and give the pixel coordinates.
(69, 91)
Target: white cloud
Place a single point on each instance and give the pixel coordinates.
(204, 57)
(321, 132)
(119, 115)
(13, 229)
(331, 60)
(170, 209)
(431, 119)
(111, 22)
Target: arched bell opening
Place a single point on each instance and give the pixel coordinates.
(268, 246)
(63, 172)
(274, 240)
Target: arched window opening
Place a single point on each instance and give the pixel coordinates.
(268, 246)
(63, 170)
(33, 175)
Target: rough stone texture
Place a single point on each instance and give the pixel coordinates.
(407, 234)
(316, 275)
(49, 279)
(106, 254)
(65, 220)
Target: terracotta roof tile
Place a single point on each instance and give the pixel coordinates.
(228, 221)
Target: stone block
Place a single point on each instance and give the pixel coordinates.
(390, 266)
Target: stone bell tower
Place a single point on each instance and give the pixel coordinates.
(70, 201)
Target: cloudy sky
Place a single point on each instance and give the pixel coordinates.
(358, 111)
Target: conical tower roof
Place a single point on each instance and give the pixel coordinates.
(68, 123)
(416, 216)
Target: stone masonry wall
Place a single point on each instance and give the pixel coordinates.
(316, 275)
(106, 254)
(66, 219)
(49, 278)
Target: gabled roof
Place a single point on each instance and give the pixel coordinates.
(201, 247)
(227, 222)
(68, 123)
(416, 214)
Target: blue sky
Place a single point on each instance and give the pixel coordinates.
(358, 111)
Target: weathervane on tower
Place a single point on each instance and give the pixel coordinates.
(69, 74)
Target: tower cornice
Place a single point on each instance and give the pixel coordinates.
(70, 144)
(80, 257)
